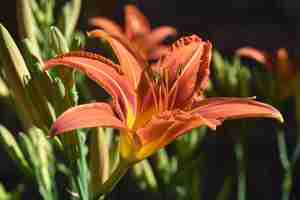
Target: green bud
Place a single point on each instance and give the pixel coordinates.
(9, 143)
(14, 195)
(162, 159)
(244, 76)
(11, 56)
(60, 46)
(27, 24)
(78, 41)
(4, 91)
(99, 158)
(48, 8)
(69, 18)
(14, 70)
(218, 65)
(163, 165)
(59, 95)
(149, 175)
(143, 173)
(4, 195)
(39, 88)
(232, 78)
(44, 154)
(196, 137)
(41, 113)
(57, 41)
(40, 157)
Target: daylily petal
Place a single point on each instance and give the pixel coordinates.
(179, 55)
(195, 62)
(203, 73)
(255, 54)
(166, 127)
(157, 35)
(222, 108)
(135, 22)
(103, 72)
(87, 116)
(107, 25)
(128, 63)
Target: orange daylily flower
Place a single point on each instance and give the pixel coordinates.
(137, 32)
(279, 64)
(152, 104)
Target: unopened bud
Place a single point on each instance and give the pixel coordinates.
(99, 162)
(57, 41)
(69, 18)
(9, 143)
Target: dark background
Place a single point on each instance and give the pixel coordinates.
(229, 24)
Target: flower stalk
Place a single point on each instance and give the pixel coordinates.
(241, 168)
(287, 181)
(112, 181)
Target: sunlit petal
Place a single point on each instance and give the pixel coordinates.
(222, 108)
(194, 59)
(103, 72)
(128, 63)
(203, 73)
(87, 116)
(166, 127)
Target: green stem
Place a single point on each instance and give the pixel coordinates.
(288, 171)
(112, 181)
(296, 152)
(240, 158)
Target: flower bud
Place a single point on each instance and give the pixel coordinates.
(45, 159)
(9, 143)
(27, 24)
(4, 91)
(69, 18)
(99, 162)
(144, 175)
(15, 69)
(57, 41)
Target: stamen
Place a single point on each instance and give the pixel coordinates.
(173, 95)
(160, 102)
(165, 96)
(152, 89)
